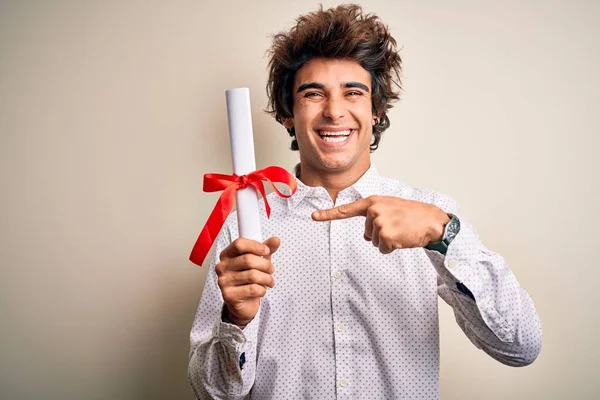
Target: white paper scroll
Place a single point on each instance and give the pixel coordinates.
(242, 155)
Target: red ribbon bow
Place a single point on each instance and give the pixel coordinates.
(231, 184)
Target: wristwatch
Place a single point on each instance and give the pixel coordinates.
(451, 229)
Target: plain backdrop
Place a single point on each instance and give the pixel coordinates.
(111, 112)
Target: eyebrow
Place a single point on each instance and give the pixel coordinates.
(315, 85)
(357, 85)
(311, 85)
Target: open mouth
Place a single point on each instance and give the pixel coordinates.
(334, 137)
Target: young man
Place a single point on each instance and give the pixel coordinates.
(341, 300)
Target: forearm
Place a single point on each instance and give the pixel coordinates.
(515, 344)
(490, 306)
(222, 356)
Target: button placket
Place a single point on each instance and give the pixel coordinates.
(339, 287)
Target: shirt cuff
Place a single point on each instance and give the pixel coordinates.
(239, 340)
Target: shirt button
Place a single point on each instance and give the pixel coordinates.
(343, 382)
(337, 275)
(340, 327)
(452, 264)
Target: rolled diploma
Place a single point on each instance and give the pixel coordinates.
(242, 156)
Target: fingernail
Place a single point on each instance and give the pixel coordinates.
(316, 214)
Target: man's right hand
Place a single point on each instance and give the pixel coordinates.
(245, 272)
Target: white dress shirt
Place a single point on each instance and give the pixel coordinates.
(347, 322)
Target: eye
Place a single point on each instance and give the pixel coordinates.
(354, 93)
(312, 94)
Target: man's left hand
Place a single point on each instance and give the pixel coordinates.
(391, 222)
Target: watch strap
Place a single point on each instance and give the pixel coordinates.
(440, 247)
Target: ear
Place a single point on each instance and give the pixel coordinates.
(376, 119)
(288, 123)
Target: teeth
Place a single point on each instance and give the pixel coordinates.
(340, 133)
(334, 139)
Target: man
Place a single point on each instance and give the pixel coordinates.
(341, 300)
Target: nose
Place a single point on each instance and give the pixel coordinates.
(334, 109)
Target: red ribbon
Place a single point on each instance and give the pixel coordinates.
(230, 184)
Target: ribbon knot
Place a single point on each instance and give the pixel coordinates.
(242, 182)
(230, 184)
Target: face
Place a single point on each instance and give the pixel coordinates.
(333, 117)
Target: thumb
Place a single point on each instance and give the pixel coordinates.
(273, 244)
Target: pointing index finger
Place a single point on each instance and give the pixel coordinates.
(354, 209)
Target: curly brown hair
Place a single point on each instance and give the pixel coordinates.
(341, 32)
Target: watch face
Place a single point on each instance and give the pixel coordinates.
(452, 229)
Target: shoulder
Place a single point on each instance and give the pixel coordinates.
(278, 207)
(393, 187)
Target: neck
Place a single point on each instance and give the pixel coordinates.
(333, 181)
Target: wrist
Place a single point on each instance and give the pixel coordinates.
(451, 229)
(436, 231)
(227, 317)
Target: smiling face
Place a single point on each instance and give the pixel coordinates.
(333, 118)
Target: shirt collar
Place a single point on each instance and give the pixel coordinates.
(366, 186)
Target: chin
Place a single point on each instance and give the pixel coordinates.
(337, 165)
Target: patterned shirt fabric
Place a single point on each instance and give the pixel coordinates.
(347, 322)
